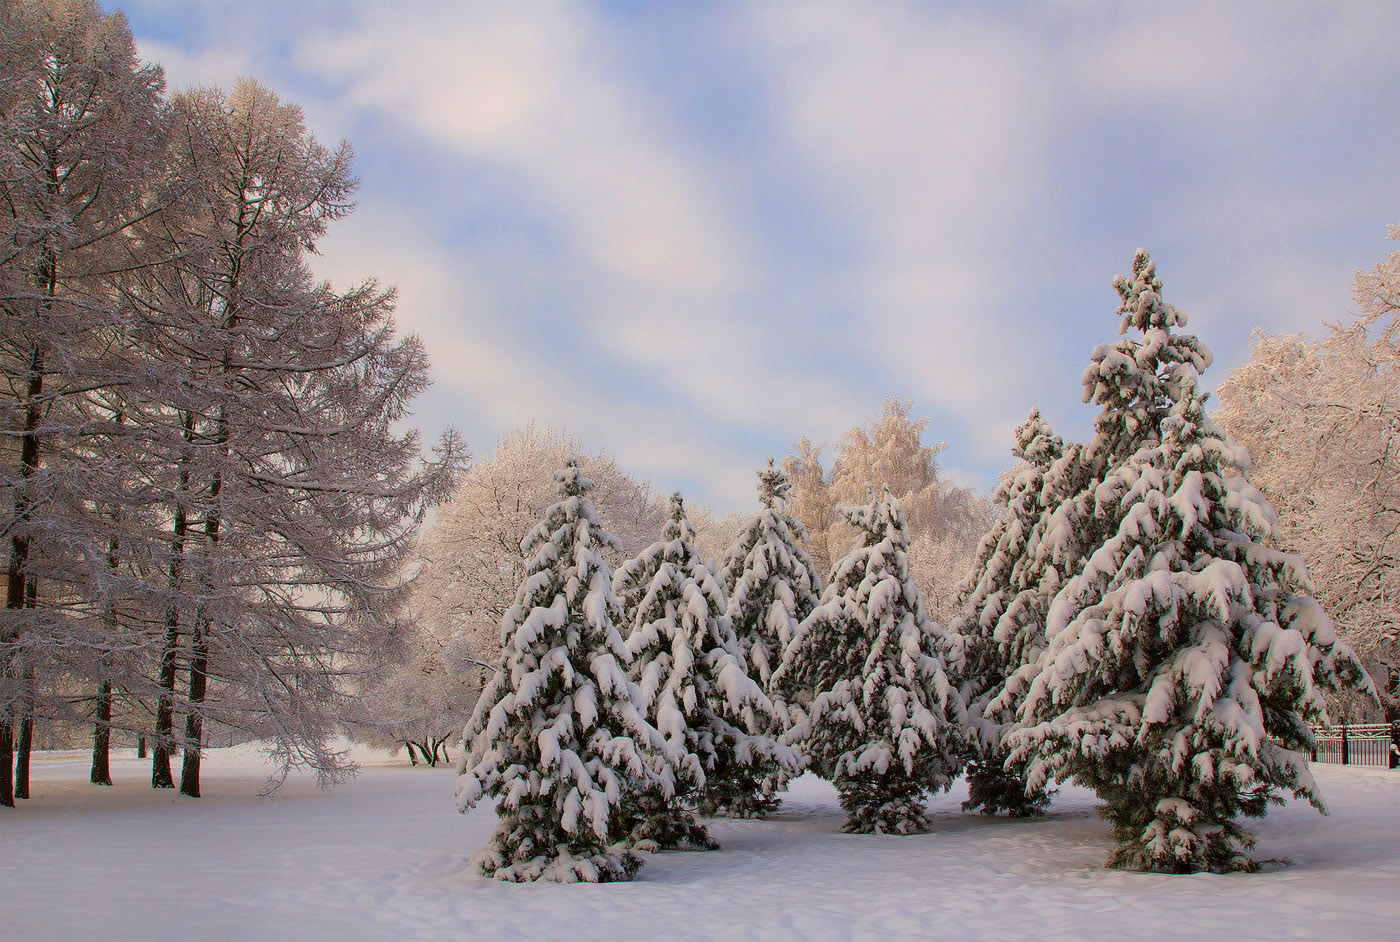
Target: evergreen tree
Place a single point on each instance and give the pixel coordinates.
(693, 675)
(560, 733)
(1186, 658)
(875, 712)
(773, 585)
(772, 582)
(1002, 622)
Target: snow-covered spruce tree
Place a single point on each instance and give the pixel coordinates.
(1186, 658)
(698, 691)
(879, 716)
(1002, 621)
(560, 734)
(771, 579)
(773, 585)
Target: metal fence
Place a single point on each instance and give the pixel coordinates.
(1373, 744)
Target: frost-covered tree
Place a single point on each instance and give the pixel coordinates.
(470, 555)
(1002, 621)
(206, 489)
(1186, 658)
(293, 492)
(560, 734)
(1321, 421)
(945, 521)
(811, 501)
(81, 129)
(422, 703)
(773, 584)
(697, 688)
(875, 710)
(714, 535)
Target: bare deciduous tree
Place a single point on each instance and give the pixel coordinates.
(1321, 420)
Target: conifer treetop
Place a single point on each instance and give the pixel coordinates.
(678, 525)
(1135, 379)
(1036, 444)
(773, 487)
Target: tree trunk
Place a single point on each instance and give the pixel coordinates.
(194, 716)
(7, 758)
(102, 735)
(140, 745)
(199, 661)
(26, 723)
(412, 756)
(16, 595)
(26, 744)
(165, 703)
(101, 773)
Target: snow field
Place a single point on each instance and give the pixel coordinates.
(385, 857)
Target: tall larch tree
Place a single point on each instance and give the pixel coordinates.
(876, 711)
(1186, 658)
(276, 444)
(82, 124)
(560, 733)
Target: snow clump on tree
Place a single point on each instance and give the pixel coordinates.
(872, 704)
(559, 734)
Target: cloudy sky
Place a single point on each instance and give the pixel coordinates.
(692, 233)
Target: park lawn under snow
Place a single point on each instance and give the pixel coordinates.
(385, 857)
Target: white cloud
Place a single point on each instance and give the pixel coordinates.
(932, 130)
(501, 383)
(533, 91)
(939, 148)
(211, 67)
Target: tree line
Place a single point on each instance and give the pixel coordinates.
(469, 560)
(208, 497)
(1129, 624)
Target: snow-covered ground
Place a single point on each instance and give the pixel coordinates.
(385, 857)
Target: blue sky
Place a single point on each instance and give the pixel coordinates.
(692, 233)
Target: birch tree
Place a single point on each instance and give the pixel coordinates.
(1321, 421)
